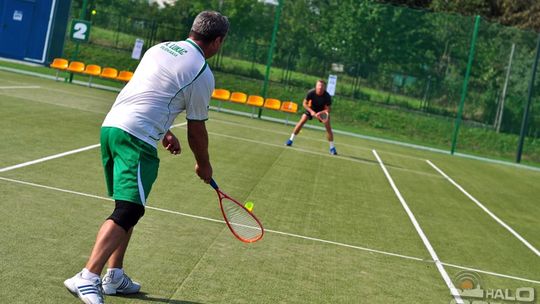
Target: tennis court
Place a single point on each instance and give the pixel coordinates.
(379, 223)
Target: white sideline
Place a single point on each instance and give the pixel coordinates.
(278, 232)
(440, 267)
(48, 158)
(36, 161)
(19, 87)
(496, 218)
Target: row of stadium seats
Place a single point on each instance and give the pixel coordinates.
(61, 64)
(254, 101)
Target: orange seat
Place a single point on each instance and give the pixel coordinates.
(272, 104)
(238, 97)
(92, 70)
(59, 64)
(76, 67)
(124, 76)
(255, 101)
(289, 107)
(110, 73)
(221, 94)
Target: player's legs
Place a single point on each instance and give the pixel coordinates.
(108, 239)
(305, 117)
(301, 123)
(329, 133)
(116, 260)
(115, 280)
(330, 137)
(130, 169)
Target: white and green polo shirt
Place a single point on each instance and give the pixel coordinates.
(172, 77)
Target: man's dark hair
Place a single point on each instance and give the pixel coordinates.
(209, 25)
(322, 81)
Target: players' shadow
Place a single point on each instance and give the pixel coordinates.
(145, 297)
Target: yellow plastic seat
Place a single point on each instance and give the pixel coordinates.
(238, 97)
(289, 107)
(76, 67)
(124, 76)
(255, 101)
(92, 70)
(272, 104)
(221, 94)
(59, 64)
(109, 73)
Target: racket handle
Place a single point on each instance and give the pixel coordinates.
(213, 184)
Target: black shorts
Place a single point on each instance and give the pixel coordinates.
(309, 116)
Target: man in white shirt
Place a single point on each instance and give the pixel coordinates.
(172, 77)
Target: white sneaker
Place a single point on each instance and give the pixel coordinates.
(119, 285)
(89, 291)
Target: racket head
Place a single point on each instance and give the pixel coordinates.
(243, 224)
(323, 116)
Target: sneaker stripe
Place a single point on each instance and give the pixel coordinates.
(124, 284)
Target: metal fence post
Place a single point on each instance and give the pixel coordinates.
(523, 131)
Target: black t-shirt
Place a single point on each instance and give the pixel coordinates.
(318, 102)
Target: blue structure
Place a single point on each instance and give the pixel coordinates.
(33, 30)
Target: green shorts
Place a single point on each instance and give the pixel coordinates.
(131, 165)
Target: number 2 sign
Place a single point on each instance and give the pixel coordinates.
(80, 30)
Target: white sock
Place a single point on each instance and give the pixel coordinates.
(331, 144)
(115, 273)
(292, 137)
(87, 275)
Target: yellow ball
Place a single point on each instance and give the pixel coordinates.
(249, 206)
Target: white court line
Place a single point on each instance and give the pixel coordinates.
(61, 155)
(278, 232)
(211, 133)
(48, 158)
(440, 267)
(366, 162)
(496, 218)
(312, 139)
(19, 87)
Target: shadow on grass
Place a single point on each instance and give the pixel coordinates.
(145, 297)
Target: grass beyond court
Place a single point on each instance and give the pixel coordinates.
(336, 230)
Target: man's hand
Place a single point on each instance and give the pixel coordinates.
(204, 172)
(171, 143)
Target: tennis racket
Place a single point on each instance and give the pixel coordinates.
(323, 116)
(242, 223)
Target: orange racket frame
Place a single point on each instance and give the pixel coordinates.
(221, 196)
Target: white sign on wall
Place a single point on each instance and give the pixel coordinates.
(137, 49)
(331, 86)
(17, 15)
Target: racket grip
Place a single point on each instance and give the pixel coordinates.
(213, 184)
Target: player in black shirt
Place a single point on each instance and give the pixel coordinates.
(316, 102)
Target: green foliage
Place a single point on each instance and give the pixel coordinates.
(395, 57)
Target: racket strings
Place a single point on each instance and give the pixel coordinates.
(241, 221)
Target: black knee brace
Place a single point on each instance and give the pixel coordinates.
(126, 214)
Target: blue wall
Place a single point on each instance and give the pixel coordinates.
(24, 25)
